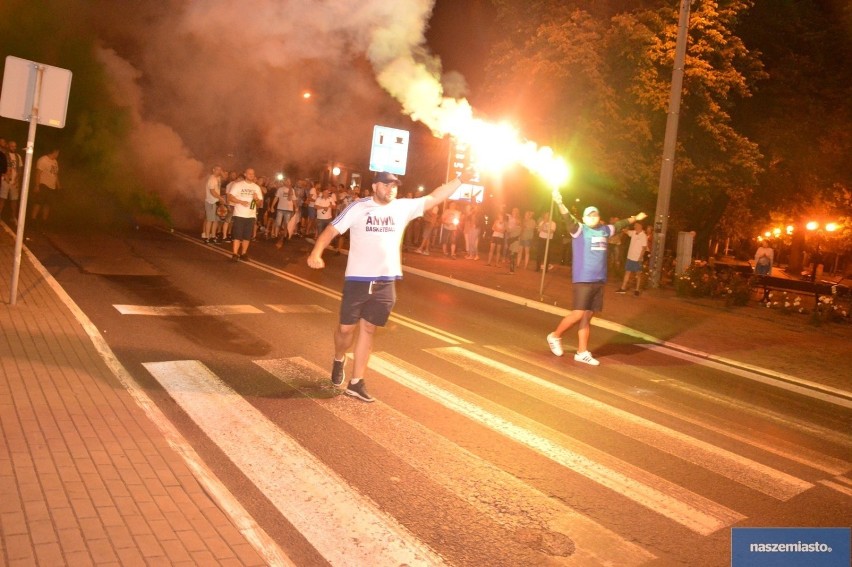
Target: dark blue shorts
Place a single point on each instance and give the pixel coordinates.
(588, 296)
(371, 301)
(242, 229)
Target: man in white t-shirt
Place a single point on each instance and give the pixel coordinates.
(285, 198)
(376, 226)
(212, 198)
(46, 185)
(245, 195)
(635, 253)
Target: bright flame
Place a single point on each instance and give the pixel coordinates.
(495, 146)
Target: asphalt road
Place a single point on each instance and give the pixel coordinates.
(482, 449)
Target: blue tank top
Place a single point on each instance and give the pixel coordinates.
(589, 247)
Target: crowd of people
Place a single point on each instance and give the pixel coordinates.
(45, 186)
(507, 238)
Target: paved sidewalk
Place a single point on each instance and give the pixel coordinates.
(86, 477)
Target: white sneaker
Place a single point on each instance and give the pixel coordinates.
(586, 358)
(555, 344)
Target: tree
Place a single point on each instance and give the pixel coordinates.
(597, 83)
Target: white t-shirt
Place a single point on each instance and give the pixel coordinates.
(375, 236)
(324, 206)
(638, 241)
(245, 191)
(285, 198)
(212, 185)
(48, 171)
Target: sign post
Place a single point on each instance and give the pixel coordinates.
(34, 93)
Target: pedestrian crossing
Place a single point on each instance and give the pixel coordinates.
(338, 520)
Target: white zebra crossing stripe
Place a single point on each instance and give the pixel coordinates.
(785, 382)
(755, 475)
(838, 487)
(510, 502)
(715, 422)
(345, 527)
(691, 510)
(178, 310)
(290, 309)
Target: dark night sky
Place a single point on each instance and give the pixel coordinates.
(461, 34)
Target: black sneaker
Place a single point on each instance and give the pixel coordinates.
(359, 390)
(621, 291)
(636, 293)
(338, 375)
(244, 257)
(235, 257)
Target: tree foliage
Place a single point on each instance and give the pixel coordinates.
(92, 145)
(594, 77)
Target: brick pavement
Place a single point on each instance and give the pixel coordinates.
(86, 476)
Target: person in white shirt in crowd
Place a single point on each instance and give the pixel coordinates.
(212, 198)
(635, 256)
(245, 195)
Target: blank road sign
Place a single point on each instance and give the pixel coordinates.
(390, 150)
(19, 82)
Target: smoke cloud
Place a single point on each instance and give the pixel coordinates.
(222, 82)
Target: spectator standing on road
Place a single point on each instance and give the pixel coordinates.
(546, 231)
(10, 187)
(635, 255)
(527, 234)
(376, 227)
(430, 219)
(472, 230)
(615, 253)
(4, 171)
(46, 185)
(449, 225)
(284, 205)
(246, 196)
(498, 237)
(588, 275)
(233, 177)
(212, 198)
(513, 236)
(324, 206)
(763, 259)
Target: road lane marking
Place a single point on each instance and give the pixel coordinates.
(687, 508)
(185, 310)
(490, 490)
(345, 527)
(777, 380)
(739, 469)
(293, 309)
(778, 446)
(838, 487)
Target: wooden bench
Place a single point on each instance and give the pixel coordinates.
(817, 289)
(735, 267)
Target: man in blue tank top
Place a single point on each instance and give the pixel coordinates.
(588, 274)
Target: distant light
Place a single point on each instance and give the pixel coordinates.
(335, 171)
(777, 232)
(420, 188)
(831, 227)
(767, 234)
(813, 225)
(790, 228)
(280, 177)
(306, 95)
